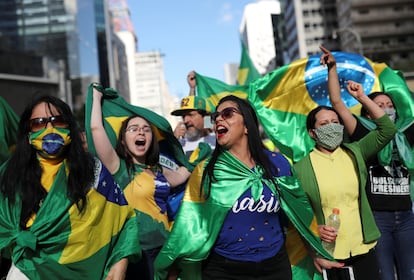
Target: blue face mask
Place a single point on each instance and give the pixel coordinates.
(50, 142)
(391, 113)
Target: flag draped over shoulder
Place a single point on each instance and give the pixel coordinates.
(115, 110)
(9, 122)
(63, 243)
(233, 179)
(284, 97)
(247, 71)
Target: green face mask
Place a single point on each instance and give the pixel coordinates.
(50, 142)
(329, 136)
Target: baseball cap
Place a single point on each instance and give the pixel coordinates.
(190, 103)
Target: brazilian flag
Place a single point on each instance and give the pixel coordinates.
(284, 97)
(9, 122)
(63, 243)
(115, 110)
(202, 219)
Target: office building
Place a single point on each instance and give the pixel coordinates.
(38, 36)
(151, 89)
(124, 30)
(230, 73)
(381, 29)
(259, 33)
(308, 24)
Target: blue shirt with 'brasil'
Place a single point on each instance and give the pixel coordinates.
(252, 231)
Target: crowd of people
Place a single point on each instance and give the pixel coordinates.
(68, 212)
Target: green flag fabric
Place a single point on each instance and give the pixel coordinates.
(213, 90)
(202, 219)
(115, 110)
(63, 243)
(247, 71)
(284, 97)
(9, 122)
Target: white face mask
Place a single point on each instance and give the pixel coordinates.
(329, 136)
(391, 113)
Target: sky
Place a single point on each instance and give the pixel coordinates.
(200, 35)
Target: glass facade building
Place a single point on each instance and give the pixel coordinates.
(45, 38)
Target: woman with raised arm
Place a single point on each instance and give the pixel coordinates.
(388, 184)
(135, 166)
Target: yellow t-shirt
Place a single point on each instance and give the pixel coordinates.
(339, 188)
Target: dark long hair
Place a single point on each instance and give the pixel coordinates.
(255, 144)
(372, 96)
(22, 174)
(153, 153)
(311, 118)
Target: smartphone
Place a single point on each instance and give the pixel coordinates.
(342, 273)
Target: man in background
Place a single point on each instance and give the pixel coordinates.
(191, 130)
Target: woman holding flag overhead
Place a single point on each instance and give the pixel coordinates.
(62, 216)
(333, 175)
(231, 222)
(388, 182)
(134, 163)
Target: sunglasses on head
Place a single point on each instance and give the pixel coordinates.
(40, 123)
(225, 114)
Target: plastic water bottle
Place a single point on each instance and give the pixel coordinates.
(333, 221)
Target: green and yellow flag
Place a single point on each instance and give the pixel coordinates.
(63, 243)
(247, 71)
(202, 219)
(115, 110)
(9, 122)
(284, 97)
(213, 90)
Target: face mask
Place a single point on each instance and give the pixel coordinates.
(391, 113)
(50, 142)
(329, 136)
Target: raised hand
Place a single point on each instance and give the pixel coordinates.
(355, 89)
(327, 58)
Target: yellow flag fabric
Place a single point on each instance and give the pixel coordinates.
(283, 97)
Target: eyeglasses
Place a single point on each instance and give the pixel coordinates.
(40, 123)
(135, 128)
(226, 113)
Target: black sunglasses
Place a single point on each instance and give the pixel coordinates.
(226, 113)
(40, 123)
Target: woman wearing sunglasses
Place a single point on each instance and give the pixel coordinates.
(61, 210)
(232, 220)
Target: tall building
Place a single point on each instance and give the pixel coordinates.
(120, 67)
(151, 89)
(124, 30)
(230, 73)
(259, 31)
(381, 29)
(68, 33)
(309, 24)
